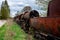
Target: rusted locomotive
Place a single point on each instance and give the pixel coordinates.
(50, 25)
(46, 25)
(23, 19)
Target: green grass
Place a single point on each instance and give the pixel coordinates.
(2, 32)
(19, 33)
(13, 33)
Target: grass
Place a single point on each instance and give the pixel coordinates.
(19, 33)
(14, 33)
(2, 32)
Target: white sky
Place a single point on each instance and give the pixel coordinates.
(17, 5)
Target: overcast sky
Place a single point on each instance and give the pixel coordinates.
(17, 5)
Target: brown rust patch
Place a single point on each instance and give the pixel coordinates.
(58, 28)
(42, 28)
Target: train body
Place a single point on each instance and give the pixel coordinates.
(53, 8)
(52, 21)
(48, 25)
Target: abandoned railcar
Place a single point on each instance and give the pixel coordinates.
(51, 23)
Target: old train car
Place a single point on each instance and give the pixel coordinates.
(48, 25)
(53, 8)
(51, 23)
